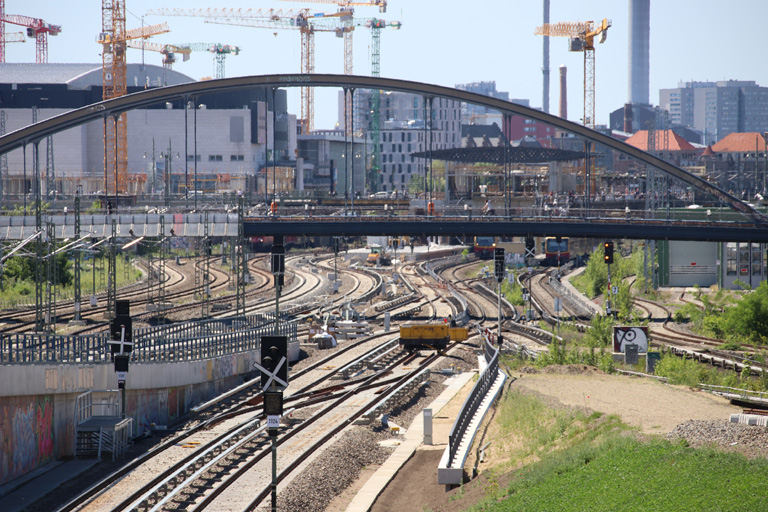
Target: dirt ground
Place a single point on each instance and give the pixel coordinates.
(653, 407)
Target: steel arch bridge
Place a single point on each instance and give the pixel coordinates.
(32, 134)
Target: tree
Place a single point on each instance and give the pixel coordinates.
(749, 317)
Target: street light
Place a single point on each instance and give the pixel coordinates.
(154, 168)
(168, 156)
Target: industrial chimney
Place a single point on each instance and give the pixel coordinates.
(628, 118)
(563, 92)
(545, 69)
(639, 50)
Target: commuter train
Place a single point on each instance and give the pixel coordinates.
(430, 336)
(484, 246)
(555, 247)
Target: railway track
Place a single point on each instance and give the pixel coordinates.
(329, 411)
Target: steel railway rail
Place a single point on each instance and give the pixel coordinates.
(232, 404)
(685, 341)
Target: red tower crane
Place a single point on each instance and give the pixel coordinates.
(36, 28)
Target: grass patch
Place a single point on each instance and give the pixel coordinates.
(625, 474)
(589, 463)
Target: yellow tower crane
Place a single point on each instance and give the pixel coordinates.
(582, 34)
(114, 38)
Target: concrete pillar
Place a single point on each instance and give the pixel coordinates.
(428, 426)
(299, 174)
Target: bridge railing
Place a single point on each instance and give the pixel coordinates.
(484, 382)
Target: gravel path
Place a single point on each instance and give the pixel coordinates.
(340, 465)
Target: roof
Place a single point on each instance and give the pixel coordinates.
(676, 142)
(82, 76)
(30, 73)
(740, 143)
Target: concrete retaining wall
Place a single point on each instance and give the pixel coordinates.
(37, 402)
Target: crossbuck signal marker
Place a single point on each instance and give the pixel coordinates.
(272, 376)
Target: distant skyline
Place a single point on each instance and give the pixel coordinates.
(446, 43)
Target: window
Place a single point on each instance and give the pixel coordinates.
(193, 158)
(756, 260)
(730, 258)
(744, 259)
(236, 158)
(215, 158)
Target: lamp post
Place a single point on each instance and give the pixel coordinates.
(154, 168)
(168, 156)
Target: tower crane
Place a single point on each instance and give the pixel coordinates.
(339, 23)
(114, 38)
(169, 52)
(14, 37)
(36, 28)
(306, 24)
(346, 10)
(582, 34)
(303, 20)
(219, 51)
(263, 18)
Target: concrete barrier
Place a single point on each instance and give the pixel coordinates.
(37, 401)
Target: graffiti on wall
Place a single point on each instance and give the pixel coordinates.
(26, 435)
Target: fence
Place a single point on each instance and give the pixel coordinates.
(476, 396)
(151, 344)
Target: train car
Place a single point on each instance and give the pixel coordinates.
(555, 247)
(424, 336)
(484, 246)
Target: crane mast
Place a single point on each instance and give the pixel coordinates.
(113, 39)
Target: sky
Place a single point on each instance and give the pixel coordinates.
(446, 42)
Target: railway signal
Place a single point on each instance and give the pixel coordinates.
(274, 361)
(278, 263)
(121, 328)
(121, 343)
(498, 258)
(608, 251)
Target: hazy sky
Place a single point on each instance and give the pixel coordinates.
(448, 42)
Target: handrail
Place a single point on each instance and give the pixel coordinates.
(484, 383)
(94, 349)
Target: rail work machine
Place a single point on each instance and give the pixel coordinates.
(430, 336)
